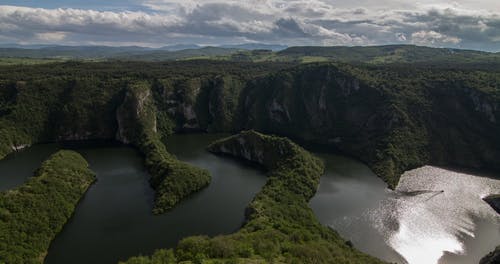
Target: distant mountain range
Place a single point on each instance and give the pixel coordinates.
(175, 47)
(178, 51)
(254, 52)
(256, 46)
(248, 46)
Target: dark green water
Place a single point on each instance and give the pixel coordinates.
(17, 167)
(114, 220)
(414, 224)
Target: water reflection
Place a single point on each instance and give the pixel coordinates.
(434, 223)
(434, 215)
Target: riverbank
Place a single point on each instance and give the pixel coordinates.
(33, 214)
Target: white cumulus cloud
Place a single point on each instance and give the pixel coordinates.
(50, 36)
(432, 37)
(293, 22)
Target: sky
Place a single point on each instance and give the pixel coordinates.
(468, 24)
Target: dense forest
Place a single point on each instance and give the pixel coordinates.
(117, 101)
(383, 107)
(33, 214)
(393, 117)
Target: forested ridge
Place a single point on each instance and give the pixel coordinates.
(386, 54)
(393, 117)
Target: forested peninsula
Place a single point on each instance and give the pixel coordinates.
(33, 214)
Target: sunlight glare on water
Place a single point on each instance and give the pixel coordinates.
(432, 211)
(423, 247)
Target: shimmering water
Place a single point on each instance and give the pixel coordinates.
(449, 224)
(433, 216)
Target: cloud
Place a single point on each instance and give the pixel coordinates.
(50, 36)
(291, 22)
(432, 37)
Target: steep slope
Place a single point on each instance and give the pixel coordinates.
(172, 179)
(394, 117)
(114, 102)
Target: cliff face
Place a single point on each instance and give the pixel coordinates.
(85, 110)
(394, 119)
(82, 110)
(393, 124)
(135, 114)
(321, 105)
(464, 126)
(255, 147)
(57, 109)
(172, 179)
(200, 104)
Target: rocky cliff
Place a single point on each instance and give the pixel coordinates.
(172, 179)
(200, 104)
(394, 118)
(394, 121)
(136, 114)
(101, 109)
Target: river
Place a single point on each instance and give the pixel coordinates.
(113, 221)
(433, 216)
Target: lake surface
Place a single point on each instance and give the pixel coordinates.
(433, 216)
(113, 220)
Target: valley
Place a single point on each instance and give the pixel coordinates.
(401, 121)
